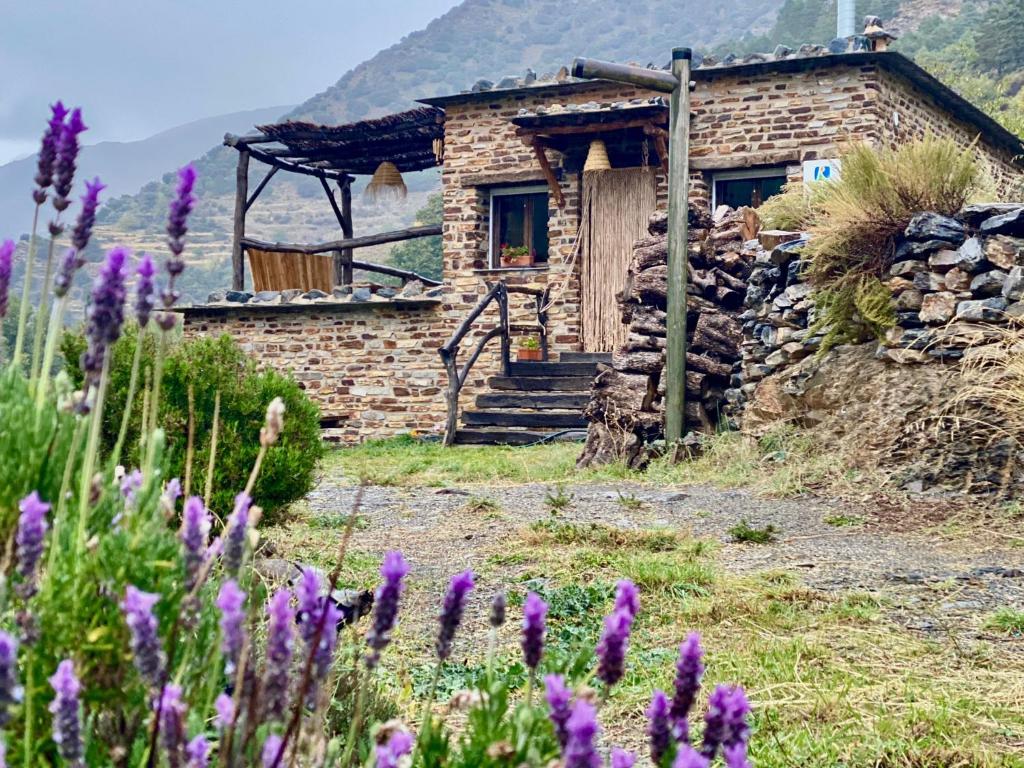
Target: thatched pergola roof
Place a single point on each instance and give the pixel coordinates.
(407, 139)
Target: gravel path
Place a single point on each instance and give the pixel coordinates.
(943, 588)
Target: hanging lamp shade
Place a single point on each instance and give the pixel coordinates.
(597, 157)
(386, 184)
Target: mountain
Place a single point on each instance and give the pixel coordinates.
(124, 166)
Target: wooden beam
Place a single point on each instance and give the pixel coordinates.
(654, 79)
(404, 274)
(343, 267)
(241, 196)
(549, 174)
(286, 165)
(334, 205)
(338, 245)
(260, 187)
(561, 130)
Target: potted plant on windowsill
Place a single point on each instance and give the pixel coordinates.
(515, 256)
(529, 350)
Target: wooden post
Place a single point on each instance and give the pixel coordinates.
(678, 236)
(241, 198)
(347, 231)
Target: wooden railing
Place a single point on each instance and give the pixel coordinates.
(497, 293)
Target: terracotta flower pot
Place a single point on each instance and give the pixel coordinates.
(529, 355)
(518, 261)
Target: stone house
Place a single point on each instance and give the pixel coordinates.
(522, 210)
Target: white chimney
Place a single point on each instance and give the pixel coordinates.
(847, 18)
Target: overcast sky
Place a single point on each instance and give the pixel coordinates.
(140, 66)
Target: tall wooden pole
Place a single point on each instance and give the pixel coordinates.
(241, 198)
(346, 229)
(678, 239)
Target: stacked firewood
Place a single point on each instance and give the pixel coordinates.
(626, 411)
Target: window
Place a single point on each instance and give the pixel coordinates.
(747, 187)
(519, 227)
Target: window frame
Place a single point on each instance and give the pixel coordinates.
(493, 257)
(739, 174)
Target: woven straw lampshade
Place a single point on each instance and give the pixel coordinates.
(387, 183)
(597, 157)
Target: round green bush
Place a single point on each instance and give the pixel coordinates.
(211, 365)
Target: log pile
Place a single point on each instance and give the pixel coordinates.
(626, 411)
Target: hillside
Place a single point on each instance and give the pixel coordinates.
(493, 38)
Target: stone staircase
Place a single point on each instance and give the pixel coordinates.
(536, 402)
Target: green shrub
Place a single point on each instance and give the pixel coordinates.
(209, 366)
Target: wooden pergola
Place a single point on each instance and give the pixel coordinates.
(412, 140)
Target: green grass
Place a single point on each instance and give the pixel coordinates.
(1008, 621)
(844, 521)
(744, 533)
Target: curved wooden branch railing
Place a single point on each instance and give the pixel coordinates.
(497, 293)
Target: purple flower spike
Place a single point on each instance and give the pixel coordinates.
(48, 152)
(535, 613)
(145, 291)
(611, 650)
(622, 759)
(67, 156)
(230, 602)
(6, 258)
(82, 232)
(385, 612)
(197, 751)
(105, 315)
(225, 708)
(314, 611)
(451, 612)
(172, 725)
(29, 540)
(10, 691)
(689, 671)
(308, 595)
(499, 607)
(271, 747)
(659, 727)
(559, 699)
(177, 217)
(725, 723)
(279, 653)
(130, 485)
(627, 598)
(736, 756)
(137, 607)
(390, 755)
(688, 757)
(195, 536)
(234, 538)
(67, 720)
(580, 749)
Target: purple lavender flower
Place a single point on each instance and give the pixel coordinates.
(10, 691)
(627, 598)
(725, 723)
(689, 671)
(385, 613)
(611, 650)
(307, 594)
(535, 613)
(137, 607)
(225, 708)
(390, 754)
(736, 756)
(29, 540)
(67, 721)
(580, 749)
(105, 315)
(69, 266)
(48, 152)
(230, 602)
(271, 748)
(688, 757)
(82, 232)
(659, 727)
(6, 258)
(177, 217)
(131, 483)
(145, 299)
(622, 759)
(197, 751)
(559, 699)
(279, 653)
(172, 725)
(451, 612)
(314, 612)
(234, 538)
(195, 535)
(67, 156)
(499, 606)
